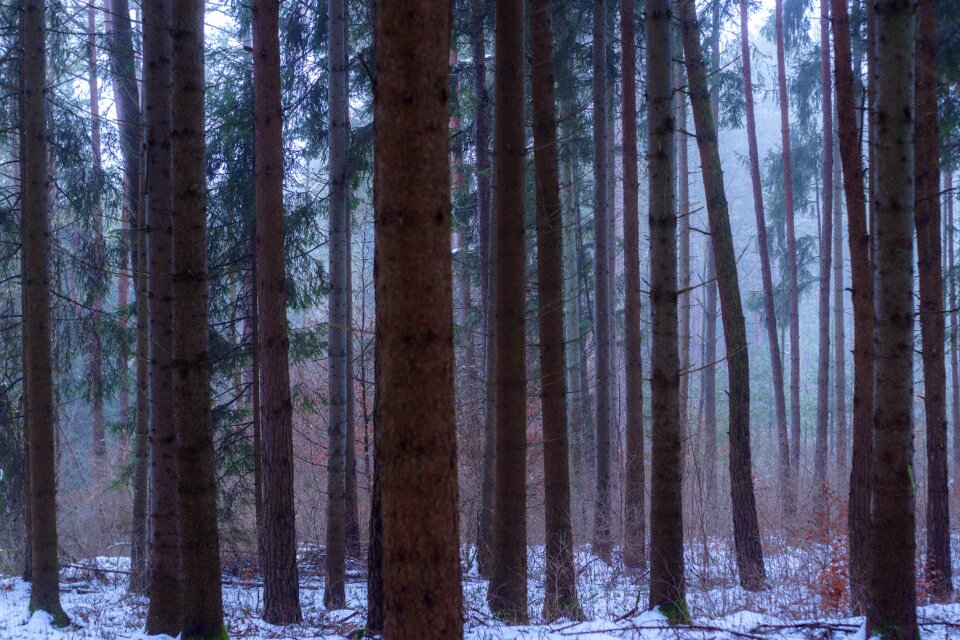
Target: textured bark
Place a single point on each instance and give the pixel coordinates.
(560, 598)
(667, 581)
(841, 463)
(202, 614)
(601, 319)
(163, 614)
(954, 355)
(139, 577)
(35, 280)
(350, 491)
(746, 531)
(281, 592)
(417, 432)
(892, 608)
(333, 595)
(929, 267)
(507, 593)
(634, 534)
(861, 278)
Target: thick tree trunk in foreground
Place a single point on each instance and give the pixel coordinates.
(766, 271)
(634, 534)
(667, 581)
(281, 590)
(892, 608)
(202, 615)
(416, 437)
(507, 593)
(35, 280)
(560, 599)
(749, 554)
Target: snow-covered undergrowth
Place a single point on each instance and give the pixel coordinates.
(792, 607)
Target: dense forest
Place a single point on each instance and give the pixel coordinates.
(429, 320)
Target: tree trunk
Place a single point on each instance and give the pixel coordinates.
(929, 267)
(667, 582)
(839, 322)
(954, 359)
(202, 615)
(507, 594)
(892, 609)
(417, 432)
(766, 272)
(601, 321)
(749, 554)
(350, 491)
(281, 592)
(139, 578)
(826, 236)
(163, 614)
(690, 439)
(255, 418)
(35, 280)
(334, 596)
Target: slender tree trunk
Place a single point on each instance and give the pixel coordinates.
(163, 614)
(35, 280)
(417, 438)
(507, 594)
(350, 489)
(749, 553)
(281, 592)
(202, 614)
(892, 609)
(929, 267)
(560, 599)
(766, 271)
(839, 322)
(601, 325)
(954, 355)
(667, 581)
(334, 596)
(634, 534)
(683, 269)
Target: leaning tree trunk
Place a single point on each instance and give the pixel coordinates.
(281, 591)
(667, 582)
(416, 437)
(892, 604)
(766, 272)
(634, 534)
(507, 593)
(35, 280)
(560, 599)
(202, 614)
(749, 554)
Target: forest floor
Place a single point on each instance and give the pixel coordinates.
(805, 599)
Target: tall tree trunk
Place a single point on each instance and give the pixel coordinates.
(929, 267)
(487, 243)
(839, 322)
(683, 269)
(892, 609)
(281, 591)
(507, 594)
(766, 272)
(417, 431)
(601, 321)
(334, 596)
(634, 534)
(35, 280)
(202, 614)
(749, 554)
(954, 355)
(560, 599)
(861, 280)
(163, 614)
(667, 581)
(826, 236)
(350, 489)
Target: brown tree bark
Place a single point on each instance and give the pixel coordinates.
(929, 267)
(202, 609)
(954, 354)
(691, 439)
(507, 593)
(766, 271)
(667, 581)
(560, 598)
(746, 530)
(417, 431)
(163, 614)
(281, 591)
(839, 325)
(35, 280)
(892, 608)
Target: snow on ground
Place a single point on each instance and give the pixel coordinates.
(94, 596)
